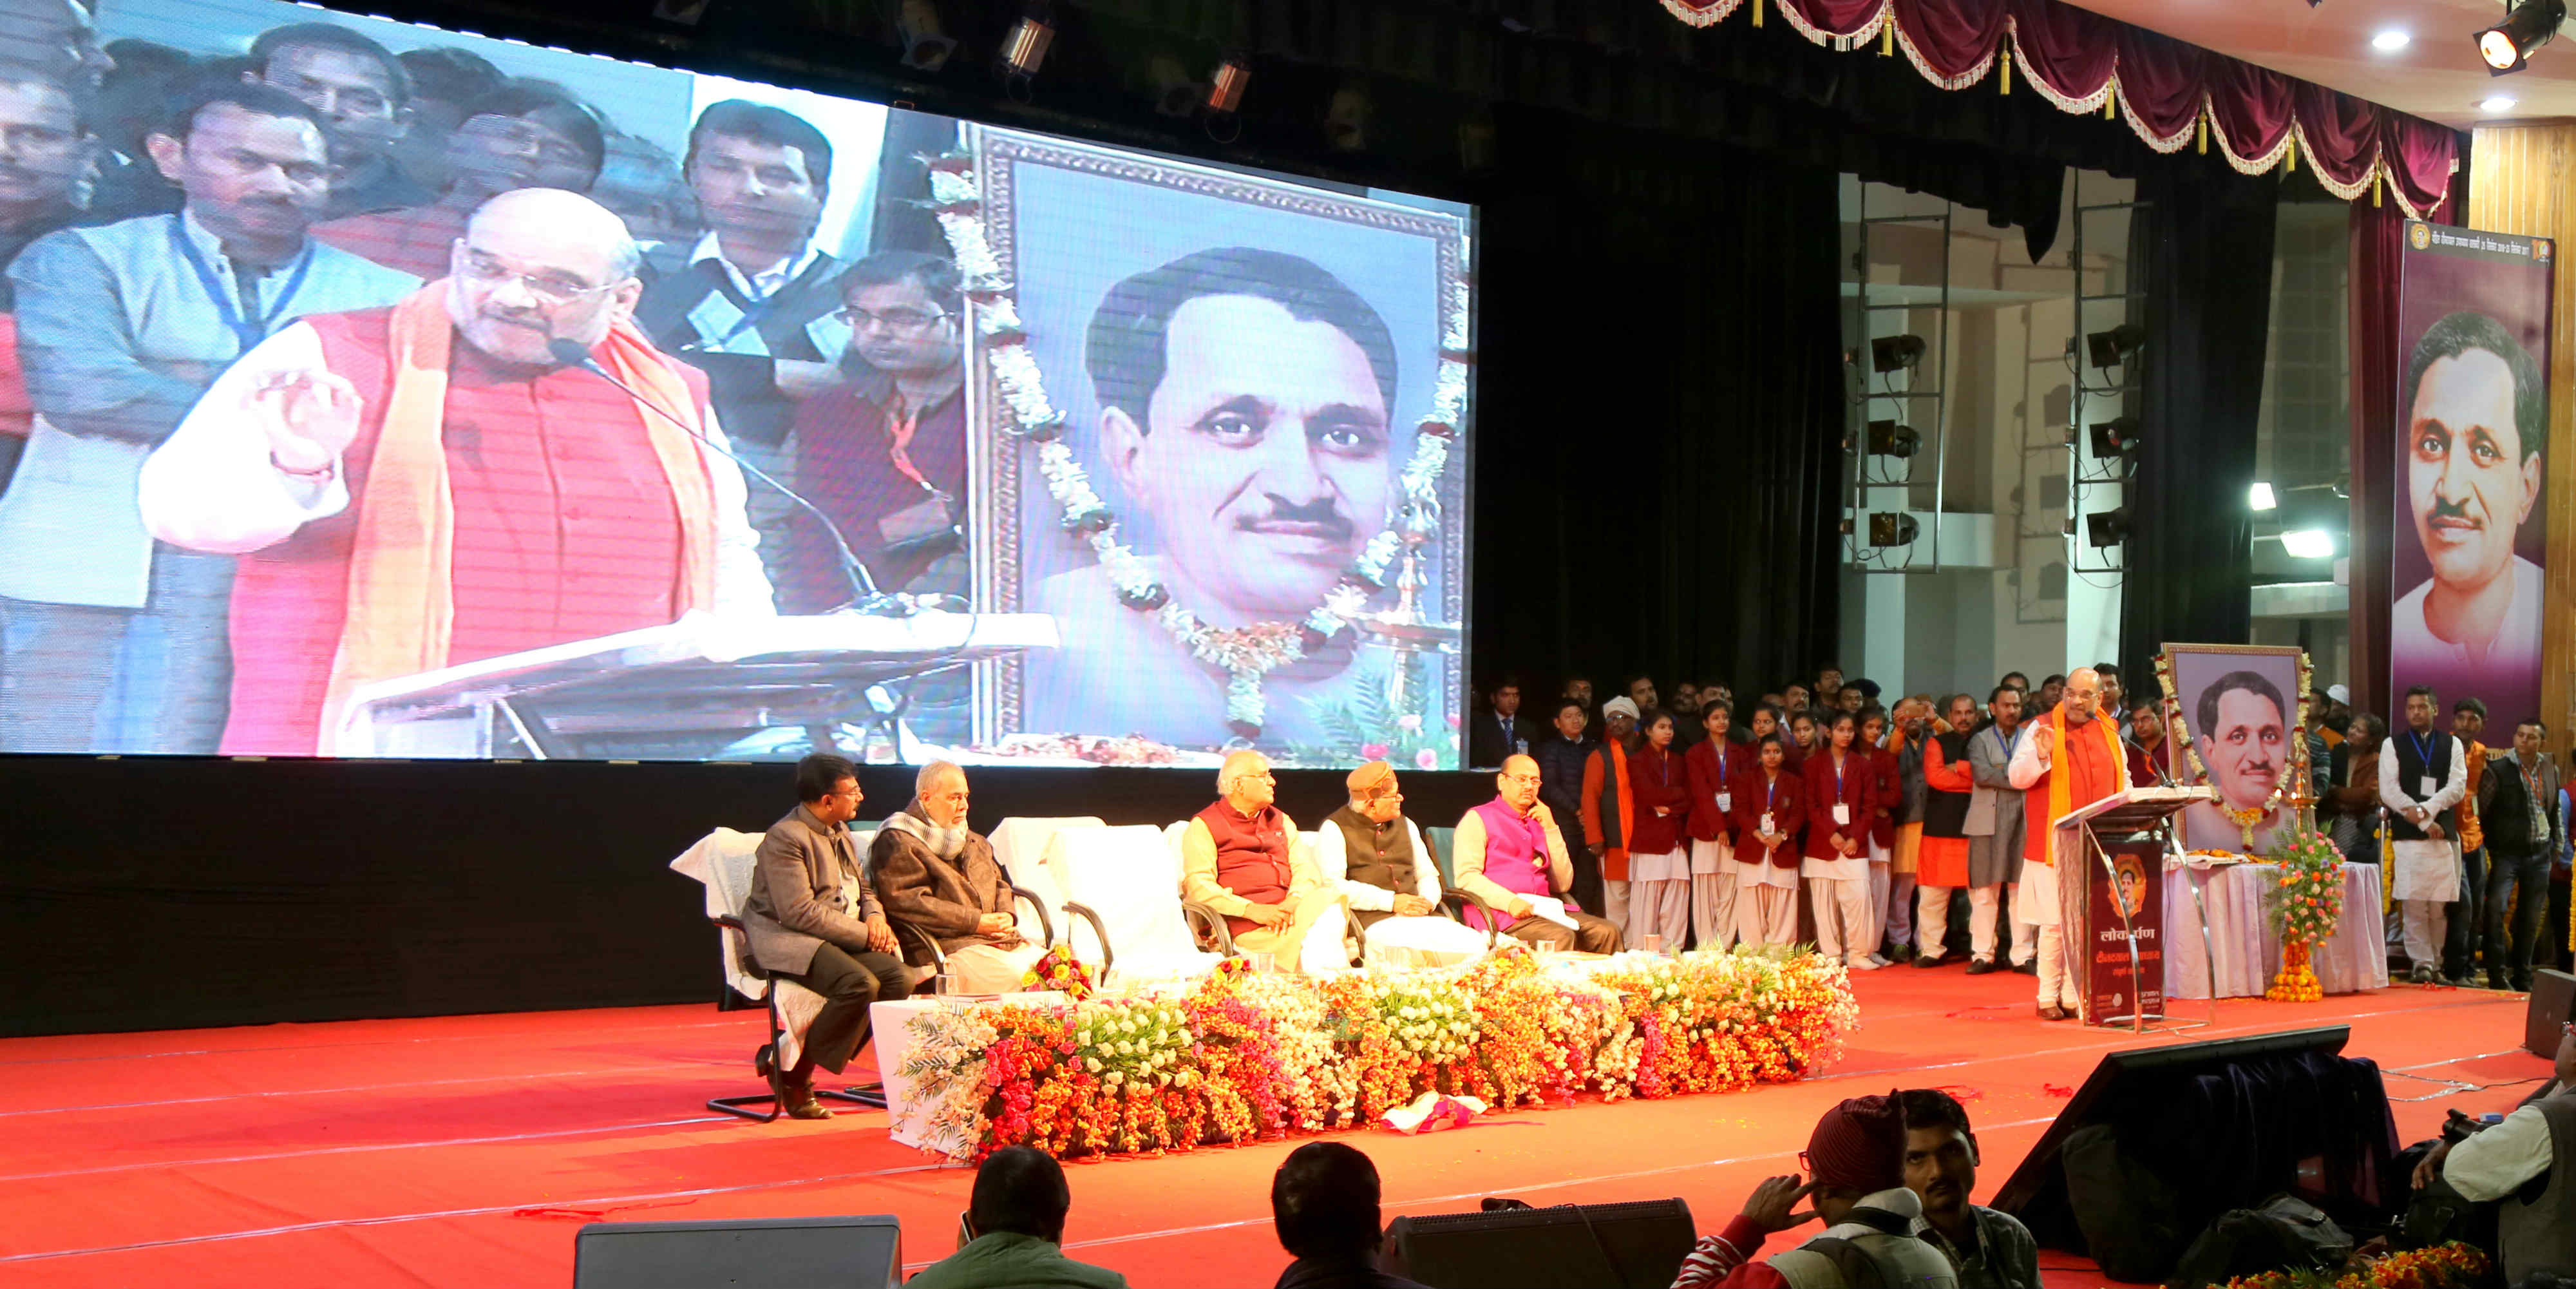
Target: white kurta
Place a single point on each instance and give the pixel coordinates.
(1431, 941)
(2426, 870)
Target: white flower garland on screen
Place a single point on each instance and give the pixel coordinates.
(1246, 654)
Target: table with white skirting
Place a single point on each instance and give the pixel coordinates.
(2248, 950)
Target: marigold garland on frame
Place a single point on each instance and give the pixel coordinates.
(1240, 1056)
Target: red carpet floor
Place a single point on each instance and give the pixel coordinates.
(465, 1151)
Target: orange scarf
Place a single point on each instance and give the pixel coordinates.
(401, 601)
(2061, 776)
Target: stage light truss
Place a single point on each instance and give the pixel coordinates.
(1897, 369)
(2104, 431)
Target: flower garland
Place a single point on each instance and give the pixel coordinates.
(2443, 1266)
(1239, 1056)
(1247, 655)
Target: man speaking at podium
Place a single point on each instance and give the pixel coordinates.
(2072, 759)
(403, 502)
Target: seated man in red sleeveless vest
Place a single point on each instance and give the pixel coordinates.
(1242, 858)
(1511, 856)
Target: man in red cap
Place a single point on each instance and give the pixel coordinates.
(1857, 1156)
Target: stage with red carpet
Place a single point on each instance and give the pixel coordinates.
(467, 1150)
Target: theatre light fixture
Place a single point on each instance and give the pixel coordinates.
(1025, 49)
(2108, 528)
(1892, 528)
(2507, 46)
(2115, 347)
(2259, 496)
(1890, 439)
(926, 46)
(1225, 89)
(1896, 353)
(2115, 438)
(2308, 543)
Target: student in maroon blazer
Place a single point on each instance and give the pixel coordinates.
(1842, 780)
(1766, 901)
(1882, 825)
(1658, 861)
(1713, 763)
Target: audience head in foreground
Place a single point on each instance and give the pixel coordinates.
(1857, 1157)
(1324, 1202)
(1013, 1229)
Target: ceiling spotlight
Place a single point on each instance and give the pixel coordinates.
(2391, 40)
(2107, 529)
(2115, 438)
(2308, 543)
(926, 45)
(2258, 496)
(2494, 103)
(1025, 49)
(2527, 25)
(1896, 353)
(1889, 439)
(1225, 89)
(1892, 529)
(2114, 347)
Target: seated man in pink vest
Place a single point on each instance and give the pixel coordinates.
(1241, 857)
(1511, 856)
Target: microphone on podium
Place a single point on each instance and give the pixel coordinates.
(572, 353)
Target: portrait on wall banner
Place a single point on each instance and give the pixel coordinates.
(2472, 419)
(1246, 515)
(2239, 710)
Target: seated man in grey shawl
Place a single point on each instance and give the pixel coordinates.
(939, 877)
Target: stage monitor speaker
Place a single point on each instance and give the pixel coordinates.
(1638, 1245)
(761, 1253)
(2552, 992)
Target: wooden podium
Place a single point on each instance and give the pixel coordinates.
(2110, 892)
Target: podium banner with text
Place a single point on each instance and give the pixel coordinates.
(2473, 413)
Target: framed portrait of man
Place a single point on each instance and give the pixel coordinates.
(1247, 515)
(2240, 709)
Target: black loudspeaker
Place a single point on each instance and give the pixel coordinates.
(1637, 1245)
(2552, 992)
(763, 1253)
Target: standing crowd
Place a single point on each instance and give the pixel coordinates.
(1902, 818)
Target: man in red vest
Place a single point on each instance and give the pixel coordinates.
(1242, 857)
(2072, 759)
(426, 485)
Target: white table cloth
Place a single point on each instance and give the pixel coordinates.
(893, 1041)
(2248, 951)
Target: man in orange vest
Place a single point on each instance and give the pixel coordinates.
(2072, 759)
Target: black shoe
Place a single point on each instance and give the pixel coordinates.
(800, 1103)
(1927, 960)
(1981, 966)
(2030, 968)
(2496, 983)
(2522, 984)
(2052, 1013)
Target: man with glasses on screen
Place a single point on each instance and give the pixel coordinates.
(753, 303)
(521, 135)
(114, 643)
(420, 486)
(1245, 398)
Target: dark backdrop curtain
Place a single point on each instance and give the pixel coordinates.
(1660, 408)
(2378, 235)
(2209, 315)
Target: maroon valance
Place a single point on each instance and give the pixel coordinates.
(2173, 95)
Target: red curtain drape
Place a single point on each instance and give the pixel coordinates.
(2165, 89)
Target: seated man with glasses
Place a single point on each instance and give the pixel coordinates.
(884, 453)
(1388, 877)
(1242, 857)
(1512, 856)
(421, 486)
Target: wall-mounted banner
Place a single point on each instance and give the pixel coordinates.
(2473, 417)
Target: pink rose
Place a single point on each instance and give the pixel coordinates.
(1453, 720)
(1409, 721)
(1373, 751)
(1427, 759)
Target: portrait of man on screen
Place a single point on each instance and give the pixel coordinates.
(1246, 401)
(2473, 419)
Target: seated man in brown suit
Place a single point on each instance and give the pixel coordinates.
(1242, 857)
(934, 874)
(812, 919)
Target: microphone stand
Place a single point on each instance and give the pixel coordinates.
(869, 600)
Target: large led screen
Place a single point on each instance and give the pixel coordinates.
(374, 390)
